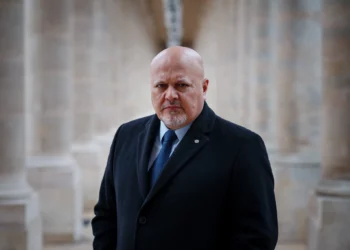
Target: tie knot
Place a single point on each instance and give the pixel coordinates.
(169, 136)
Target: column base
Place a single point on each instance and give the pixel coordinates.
(271, 150)
(20, 223)
(105, 142)
(295, 178)
(57, 181)
(329, 223)
(89, 160)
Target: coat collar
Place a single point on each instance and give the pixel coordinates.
(194, 140)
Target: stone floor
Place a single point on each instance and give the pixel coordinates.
(85, 242)
(86, 245)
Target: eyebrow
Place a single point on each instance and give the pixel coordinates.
(182, 79)
(159, 82)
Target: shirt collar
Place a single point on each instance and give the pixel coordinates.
(180, 133)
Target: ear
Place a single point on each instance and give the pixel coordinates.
(205, 87)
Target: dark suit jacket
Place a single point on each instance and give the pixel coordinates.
(217, 194)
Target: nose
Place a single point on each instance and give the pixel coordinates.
(171, 93)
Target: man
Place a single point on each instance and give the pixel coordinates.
(184, 178)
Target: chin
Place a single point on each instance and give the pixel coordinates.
(174, 121)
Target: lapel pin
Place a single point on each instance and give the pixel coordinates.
(196, 141)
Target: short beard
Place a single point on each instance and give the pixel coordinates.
(174, 119)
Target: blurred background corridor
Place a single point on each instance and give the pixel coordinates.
(72, 71)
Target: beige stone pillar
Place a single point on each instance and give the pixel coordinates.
(85, 150)
(207, 46)
(296, 169)
(104, 108)
(20, 222)
(137, 53)
(224, 17)
(115, 24)
(330, 210)
(244, 76)
(309, 78)
(53, 172)
(217, 42)
(286, 76)
(123, 50)
(103, 52)
(261, 91)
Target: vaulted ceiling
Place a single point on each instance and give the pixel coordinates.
(192, 11)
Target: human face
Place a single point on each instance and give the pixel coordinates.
(178, 93)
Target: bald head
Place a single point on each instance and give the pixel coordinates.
(178, 56)
(178, 86)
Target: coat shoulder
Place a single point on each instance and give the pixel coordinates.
(232, 129)
(137, 123)
(132, 128)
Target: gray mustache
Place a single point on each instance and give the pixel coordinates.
(176, 103)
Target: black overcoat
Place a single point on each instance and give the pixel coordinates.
(216, 192)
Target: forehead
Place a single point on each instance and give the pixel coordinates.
(173, 71)
(171, 76)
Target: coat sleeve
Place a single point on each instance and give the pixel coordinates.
(104, 223)
(253, 206)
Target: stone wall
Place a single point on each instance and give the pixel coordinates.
(279, 69)
(70, 74)
(73, 71)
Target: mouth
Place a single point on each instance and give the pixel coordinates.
(171, 107)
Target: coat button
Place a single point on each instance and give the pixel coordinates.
(142, 220)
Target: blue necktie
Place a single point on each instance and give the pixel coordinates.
(163, 156)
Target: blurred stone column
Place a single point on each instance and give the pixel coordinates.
(137, 52)
(104, 108)
(136, 61)
(115, 17)
(20, 222)
(86, 151)
(207, 46)
(244, 74)
(298, 72)
(273, 67)
(225, 18)
(309, 78)
(53, 171)
(286, 47)
(330, 207)
(262, 87)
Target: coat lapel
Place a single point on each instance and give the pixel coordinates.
(144, 148)
(194, 140)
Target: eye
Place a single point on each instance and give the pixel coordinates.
(161, 85)
(182, 85)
